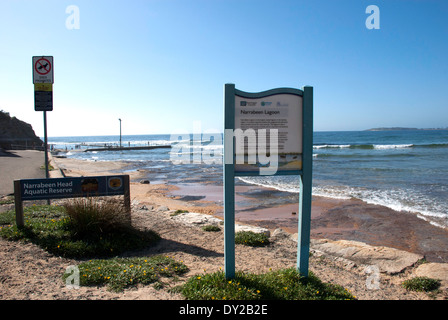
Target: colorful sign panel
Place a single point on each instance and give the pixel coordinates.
(71, 187)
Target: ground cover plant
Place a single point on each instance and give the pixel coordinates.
(284, 284)
(250, 238)
(422, 284)
(121, 273)
(82, 229)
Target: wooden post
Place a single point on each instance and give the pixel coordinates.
(127, 196)
(18, 204)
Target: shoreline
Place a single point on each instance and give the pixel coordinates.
(29, 272)
(333, 219)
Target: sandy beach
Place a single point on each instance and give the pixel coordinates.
(376, 229)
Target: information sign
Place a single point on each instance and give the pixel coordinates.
(69, 187)
(286, 115)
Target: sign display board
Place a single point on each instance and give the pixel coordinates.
(271, 129)
(43, 97)
(281, 112)
(69, 187)
(35, 189)
(43, 69)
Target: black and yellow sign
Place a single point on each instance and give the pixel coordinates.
(43, 97)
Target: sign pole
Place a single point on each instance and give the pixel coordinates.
(47, 175)
(18, 204)
(229, 182)
(304, 224)
(43, 79)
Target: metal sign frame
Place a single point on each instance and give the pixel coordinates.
(305, 174)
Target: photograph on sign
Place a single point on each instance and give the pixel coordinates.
(255, 120)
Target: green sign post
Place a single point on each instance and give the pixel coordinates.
(286, 116)
(43, 79)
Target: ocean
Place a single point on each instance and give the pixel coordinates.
(405, 170)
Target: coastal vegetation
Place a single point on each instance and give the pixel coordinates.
(82, 229)
(100, 230)
(421, 284)
(211, 228)
(250, 238)
(284, 284)
(121, 273)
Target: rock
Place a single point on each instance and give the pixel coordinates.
(200, 219)
(16, 132)
(196, 218)
(162, 208)
(388, 260)
(433, 270)
(239, 228)
(144, 181)
(280, 233)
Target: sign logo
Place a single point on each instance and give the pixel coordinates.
(42, 66)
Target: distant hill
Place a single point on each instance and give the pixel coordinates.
(403, 128)
(15, 133)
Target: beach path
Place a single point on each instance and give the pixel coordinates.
(19, 164)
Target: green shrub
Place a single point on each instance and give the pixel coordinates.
(211, 228)
(177, 212)
(92, 216)
(250, 238)
(55, 231)
(120, 273)
(423, 284)
(284, 284)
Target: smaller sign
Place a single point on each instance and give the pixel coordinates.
(69, 187)
(43, 69)
(34, 189)
(43, 97)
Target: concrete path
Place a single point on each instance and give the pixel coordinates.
(19, 164)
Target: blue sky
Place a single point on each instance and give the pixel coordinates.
(161, 65)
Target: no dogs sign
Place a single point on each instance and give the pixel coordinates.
(43, 69)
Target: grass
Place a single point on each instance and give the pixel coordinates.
(56, 231)
(120, 273)
(211, 228)
(284, 284)
(178, 212)
(7, 200)
(422, 284)
(250, 238)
